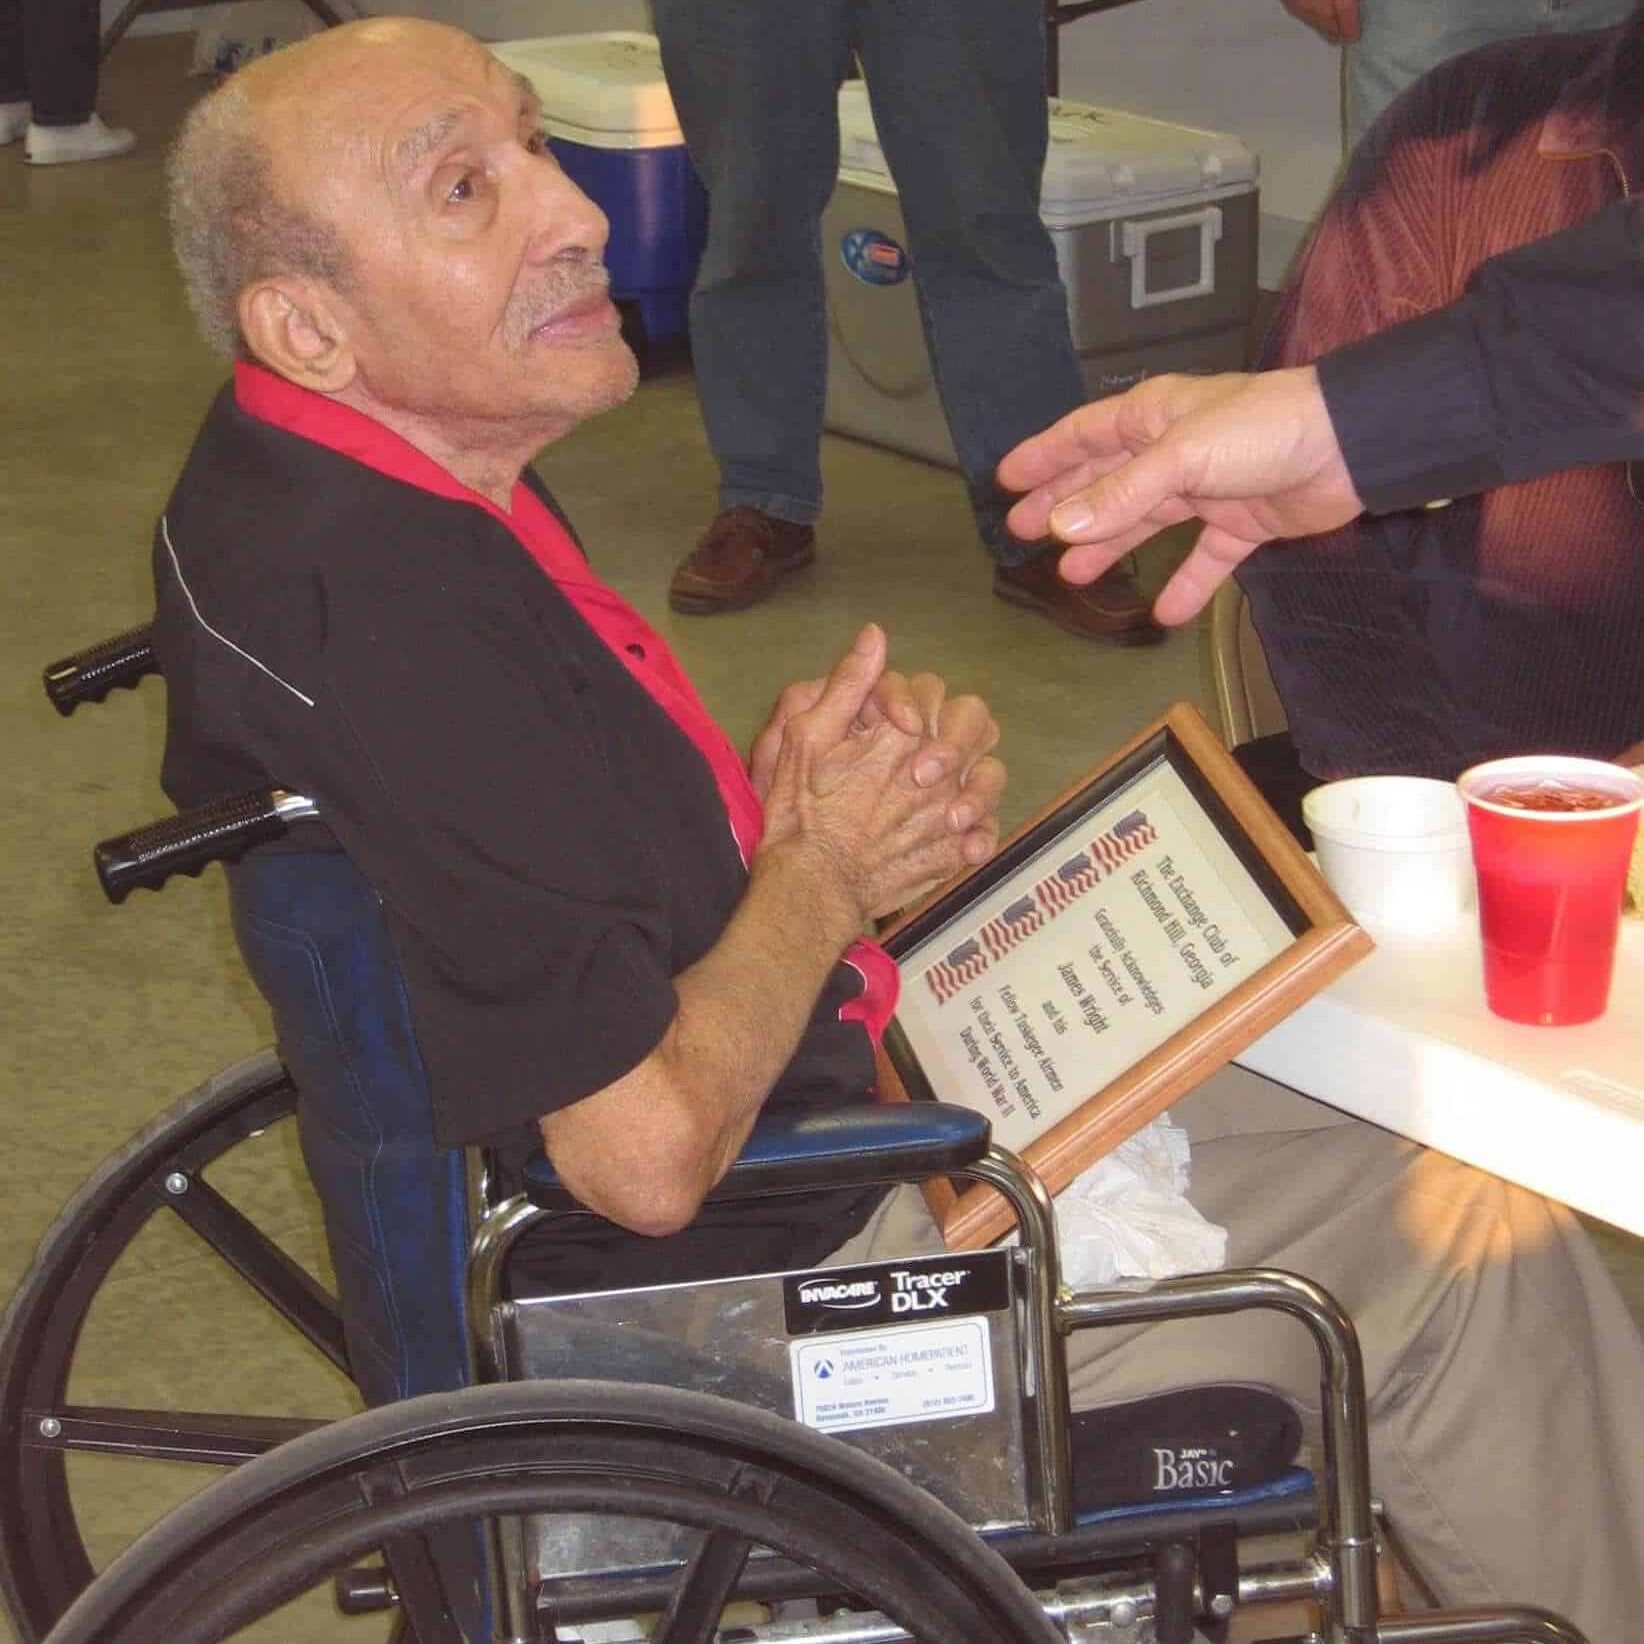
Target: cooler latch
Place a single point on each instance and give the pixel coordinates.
(1162, 262)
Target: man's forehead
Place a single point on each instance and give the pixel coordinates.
(382, 84)
(427, 128)
(365, 118)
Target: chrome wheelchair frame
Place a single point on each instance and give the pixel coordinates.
(312, 1501)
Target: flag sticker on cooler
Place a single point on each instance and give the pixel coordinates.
(1054, 894)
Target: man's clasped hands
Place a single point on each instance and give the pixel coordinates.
(884, 772)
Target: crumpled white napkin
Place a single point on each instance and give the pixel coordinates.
(1127, 1216)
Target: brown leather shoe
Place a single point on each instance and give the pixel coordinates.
(1111, 608)
(739, 559)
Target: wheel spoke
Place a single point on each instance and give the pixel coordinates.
(44, 1562)
(709, 1580)
(280, 1281)
(218, 1440)
(704, 1589)
(429, 1571)
(420, 1582)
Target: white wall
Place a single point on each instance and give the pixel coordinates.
(1244, 66)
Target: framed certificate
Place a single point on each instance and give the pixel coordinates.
(1128, 940)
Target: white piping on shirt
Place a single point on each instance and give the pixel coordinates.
(188, 594)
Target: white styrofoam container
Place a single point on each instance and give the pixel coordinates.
(604, 90)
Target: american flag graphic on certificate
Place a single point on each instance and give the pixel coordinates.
(1087, 865)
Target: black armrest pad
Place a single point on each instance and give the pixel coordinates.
(849, 1147)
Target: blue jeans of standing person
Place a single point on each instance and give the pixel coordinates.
(48, 56)
(1400, 40)
(958, 95)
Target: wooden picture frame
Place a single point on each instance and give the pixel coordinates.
(1126, 941)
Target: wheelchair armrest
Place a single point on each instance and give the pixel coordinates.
(851, 1147)
(89, 675)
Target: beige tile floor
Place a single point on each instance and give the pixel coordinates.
(110, 1014)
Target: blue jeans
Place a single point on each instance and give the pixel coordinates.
(958, 94)
(1401, 40)
(312, 935)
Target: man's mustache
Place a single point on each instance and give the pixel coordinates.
(559, 290)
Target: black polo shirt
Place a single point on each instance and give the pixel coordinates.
(550, 847)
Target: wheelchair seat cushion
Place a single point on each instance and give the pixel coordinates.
(1199, 1441)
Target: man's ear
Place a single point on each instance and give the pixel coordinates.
(297, 328)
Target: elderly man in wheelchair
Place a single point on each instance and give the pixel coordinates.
(519, 896)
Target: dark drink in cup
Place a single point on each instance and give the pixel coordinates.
(1551, 838)
(1548, 796)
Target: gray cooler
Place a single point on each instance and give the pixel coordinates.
(1154, 226)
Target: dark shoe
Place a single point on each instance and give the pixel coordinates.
(1111, 608)
(740, 558)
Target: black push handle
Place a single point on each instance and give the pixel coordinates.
(89, 675)
(190, 841)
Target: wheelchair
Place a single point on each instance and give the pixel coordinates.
(539, 1468)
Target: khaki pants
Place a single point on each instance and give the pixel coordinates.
(1504, 1374)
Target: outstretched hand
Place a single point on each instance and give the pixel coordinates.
(1254, 457)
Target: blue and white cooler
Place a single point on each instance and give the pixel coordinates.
(612, 126)
(1154, 226)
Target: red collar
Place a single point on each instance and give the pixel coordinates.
(273, 399)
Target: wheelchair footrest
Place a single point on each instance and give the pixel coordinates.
(1199, 1442)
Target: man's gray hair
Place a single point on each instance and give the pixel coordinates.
(229, 227)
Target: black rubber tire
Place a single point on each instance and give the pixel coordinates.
(283, 1522)
(43, 1558)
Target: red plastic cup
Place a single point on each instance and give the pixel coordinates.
(1550, 881)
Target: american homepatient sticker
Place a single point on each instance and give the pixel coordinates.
(894, 1344)
(892, 1378)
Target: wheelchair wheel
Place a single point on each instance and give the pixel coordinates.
(744, 1481)
(159, 1175)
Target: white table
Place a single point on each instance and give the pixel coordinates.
(1404, 1040)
